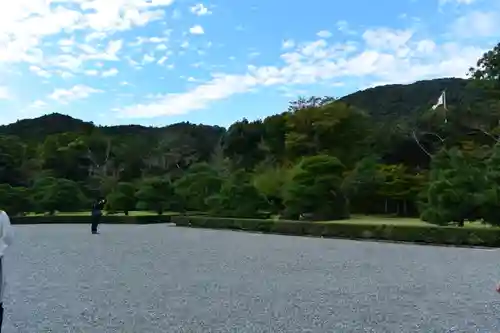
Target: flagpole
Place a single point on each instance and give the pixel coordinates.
(444, 106)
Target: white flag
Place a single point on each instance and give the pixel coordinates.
(440, 101)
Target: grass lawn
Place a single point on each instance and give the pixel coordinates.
(357, 219)
(363, 219)
(132, 213)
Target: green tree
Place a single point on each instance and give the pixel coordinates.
(238, 197)
(310, 102)
(243, 142)
(122, 198)
(273, 143)
(156, 194)
(65, 155)
(334, 129)
(489, 198)
(59, 194)
(396, 189)
(270, 183)
(315, 187)
(15, 200)
(362, 185)
(456, 189)
(198, 183)
(12, 159)
(487, 70)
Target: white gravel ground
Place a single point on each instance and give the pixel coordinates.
(164, 279)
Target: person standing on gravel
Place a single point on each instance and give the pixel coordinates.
(97, 208)
(6, 235)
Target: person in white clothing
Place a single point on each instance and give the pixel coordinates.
(6, 236)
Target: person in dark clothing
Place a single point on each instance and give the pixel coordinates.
(97, 208)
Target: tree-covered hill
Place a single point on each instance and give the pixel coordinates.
(397, 101)
(56, 123)
(41, 127)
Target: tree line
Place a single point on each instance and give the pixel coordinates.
(378, 151)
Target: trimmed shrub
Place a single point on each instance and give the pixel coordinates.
(79, 219)
(489, 237)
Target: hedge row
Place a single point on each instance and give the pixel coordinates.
(487, 237)
(79, 219)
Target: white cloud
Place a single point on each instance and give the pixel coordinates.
(147, 59)
(288, 44)
(197, 30)
(87, 49)
(324, 34)
(67, 62)
(77, 92)
(219, 88)
(39, 71)
(200, 10)
(458, 2)
(138, 41)
(110, 72)
(426, 46)
(133, 63)
(162, 60)
(384, 38)
(477, 24)
(4, 93)
(148, 40)
(119, 15)
(95, 35)
(157, 40)
(74, 63)
(38, 104)
(113, 48)
(390, 56)
(91, 72)
(65, 75)
(26, 24)
(66, 42)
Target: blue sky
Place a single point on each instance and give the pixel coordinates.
(215, 62)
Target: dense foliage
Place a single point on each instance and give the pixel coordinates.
(378, 151)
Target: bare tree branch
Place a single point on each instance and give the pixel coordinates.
(420, 145)
(108, 151)
(91, 158)
(434, 134)
(107, 155)
(497, 140)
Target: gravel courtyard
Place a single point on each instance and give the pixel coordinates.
(164, 279)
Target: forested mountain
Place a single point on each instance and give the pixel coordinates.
(41, 127)
(56, 123)
(399, 100)
(381, 150)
